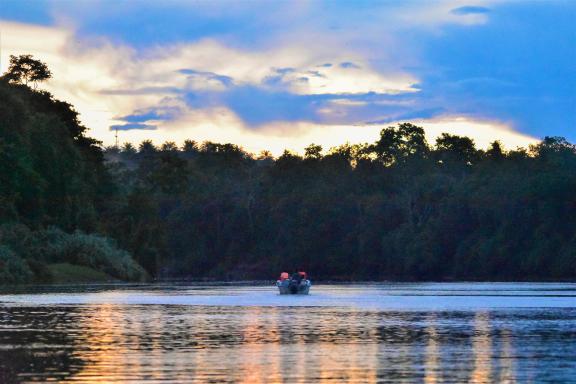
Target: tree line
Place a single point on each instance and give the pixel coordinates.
(400, 208)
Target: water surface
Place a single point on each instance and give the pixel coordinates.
(428, 333)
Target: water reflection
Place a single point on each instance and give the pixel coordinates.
(36, 345)
(104, 344)
(482, 349)
(507, 374)
(259, 361)
(183, 344)
(432, 354)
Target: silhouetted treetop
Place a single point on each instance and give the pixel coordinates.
(454, 148)
(401, 144)
(313, 151)
(24, 69)
(169, 146)
(147, 147)
(496, 151)
(190, 146)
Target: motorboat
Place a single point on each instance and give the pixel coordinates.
(297, 284)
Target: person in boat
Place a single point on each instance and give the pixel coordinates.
(297, 277)
(295, 281)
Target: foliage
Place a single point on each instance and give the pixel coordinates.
(12, 268)
(38, 249)
(24, 69)
(95, 252)
(51, 175)
(50, 172)
(396, 209)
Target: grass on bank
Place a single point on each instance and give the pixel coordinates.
(65, 273)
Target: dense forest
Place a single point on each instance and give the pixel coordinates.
(400, 208)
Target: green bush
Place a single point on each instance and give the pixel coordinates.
(13, 270)
(52, 245)
(96, 252)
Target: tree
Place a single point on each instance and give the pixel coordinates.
(401, 144)
(387, 147)
(190, 146)
(495, 152)
(128, 149)
(555, 151)
(458, 149)
(551, 146)
(24, 69)
(288, 160)
(169, 146)
(412, 141)
(313, 151)
(265, 155)
(147, 148)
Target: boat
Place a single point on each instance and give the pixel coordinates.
(297, 284)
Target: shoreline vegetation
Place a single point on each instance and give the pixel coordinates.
(399, 209)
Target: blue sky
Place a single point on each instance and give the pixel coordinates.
(281, 73)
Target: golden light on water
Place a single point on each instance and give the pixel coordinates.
(104, 334)
(258, 361)
(112, 344)
(432, 364)
(482, 350)
(277, 345)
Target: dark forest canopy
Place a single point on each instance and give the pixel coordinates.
(396, 209)
(399, 208)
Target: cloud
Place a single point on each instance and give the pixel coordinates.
(257, 106)
(470, 10)
(133, 126)
(414, 114)
(142, 91)
(206, 80)
(160, 113)
(348, 64)
(346, 78)
(483, 132)
(435, 15)
(283, 71)
(382, 63)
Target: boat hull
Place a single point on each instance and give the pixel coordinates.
(289, 287)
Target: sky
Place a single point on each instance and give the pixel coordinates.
(283, 74)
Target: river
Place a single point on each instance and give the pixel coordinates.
(369, 333)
